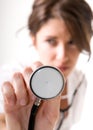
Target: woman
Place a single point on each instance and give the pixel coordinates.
(60, 31)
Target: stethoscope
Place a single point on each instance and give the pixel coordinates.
(46, 83)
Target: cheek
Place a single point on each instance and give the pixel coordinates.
(74, 58)
(46, 56)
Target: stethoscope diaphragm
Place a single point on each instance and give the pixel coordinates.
(47, 82)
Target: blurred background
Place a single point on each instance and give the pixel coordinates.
(13, 18)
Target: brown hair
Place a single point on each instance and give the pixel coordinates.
(77, 15)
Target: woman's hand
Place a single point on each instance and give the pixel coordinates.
(18, 102)
(48, 114)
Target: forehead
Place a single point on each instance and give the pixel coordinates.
(54, 27)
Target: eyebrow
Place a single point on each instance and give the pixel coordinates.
(50, 36)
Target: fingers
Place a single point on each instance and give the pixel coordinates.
(20, 89)
(27, 74)
(18, 92)
(8, 93)
(36, 65)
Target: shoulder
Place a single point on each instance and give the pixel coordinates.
(77, 73)
(77, 86)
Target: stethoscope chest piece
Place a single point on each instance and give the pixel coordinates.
(47, 82)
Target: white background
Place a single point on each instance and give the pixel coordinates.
(13, 16)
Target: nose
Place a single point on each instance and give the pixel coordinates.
(62, 54)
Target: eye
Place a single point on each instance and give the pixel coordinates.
(52, 41)
(72, 43)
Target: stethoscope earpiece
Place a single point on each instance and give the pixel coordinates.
(47, 82)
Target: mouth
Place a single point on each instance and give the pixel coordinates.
(63, 68)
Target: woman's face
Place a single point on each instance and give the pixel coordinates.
(56, 47)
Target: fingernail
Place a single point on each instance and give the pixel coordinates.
(5, 89)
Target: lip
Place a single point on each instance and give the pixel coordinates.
(63, 68)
